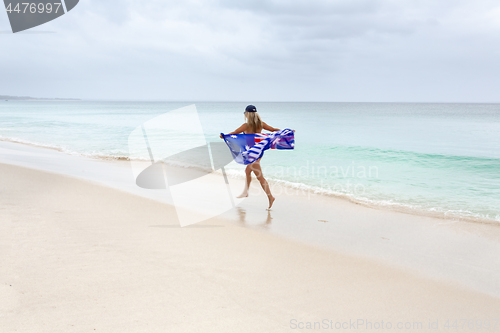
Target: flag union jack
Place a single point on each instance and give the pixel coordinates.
(248, 148)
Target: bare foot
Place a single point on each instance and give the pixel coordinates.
(243, 195)
(271, 201)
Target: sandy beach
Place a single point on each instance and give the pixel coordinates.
(250, 166)
(77, 256)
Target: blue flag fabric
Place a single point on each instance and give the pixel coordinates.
(248, 148)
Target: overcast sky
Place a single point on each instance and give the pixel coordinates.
(264, 50)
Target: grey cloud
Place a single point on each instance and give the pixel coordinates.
(305, 7)
(283, 50)
(115, 11)
(340, 27)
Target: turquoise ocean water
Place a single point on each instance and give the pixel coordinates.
(435, 159)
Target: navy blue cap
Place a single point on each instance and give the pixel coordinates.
(251, 108)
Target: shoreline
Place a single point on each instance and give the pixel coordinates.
(392, 206)
(79, 256)
(454, 251)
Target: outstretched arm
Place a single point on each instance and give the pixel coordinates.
(240, 129)
(269, 128)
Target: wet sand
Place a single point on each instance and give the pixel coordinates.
(77, 256)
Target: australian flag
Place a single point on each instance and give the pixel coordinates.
(248, 148)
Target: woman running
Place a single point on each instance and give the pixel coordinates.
(252, 125)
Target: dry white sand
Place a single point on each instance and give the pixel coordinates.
(79, 257)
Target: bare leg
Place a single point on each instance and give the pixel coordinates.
(248, 174)
(263, 182)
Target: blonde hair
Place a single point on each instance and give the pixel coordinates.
(254, 122)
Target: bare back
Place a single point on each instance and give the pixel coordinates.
(265, 126)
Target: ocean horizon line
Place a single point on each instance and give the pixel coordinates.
(70, 99)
